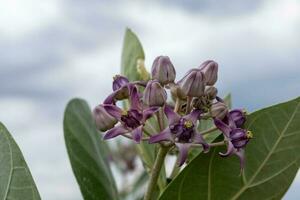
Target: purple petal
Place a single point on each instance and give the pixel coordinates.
(171, 115)
(193, 116)
(113, 110)
(110, 99)
(183, 152)
(222, 127)
(198, 139)
(137, 134)
(117, 130)
(230, 150)
(165, 135)
(147, 113)
(241, 154)
(134, 98)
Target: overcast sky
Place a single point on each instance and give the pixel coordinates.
(53, 50)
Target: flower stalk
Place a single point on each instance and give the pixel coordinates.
(162, 152)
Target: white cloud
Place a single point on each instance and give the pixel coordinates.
(20, 17)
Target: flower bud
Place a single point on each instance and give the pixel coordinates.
(193, 83)
(238, 116)
(119, 81)
(218, 110)
(163, 70)
(176, 92)
(154, 94)
(104, 121)
(211, 92)
(210, 70)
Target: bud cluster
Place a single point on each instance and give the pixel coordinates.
(195, 98)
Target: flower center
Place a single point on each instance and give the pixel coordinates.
(249, 135)
(183, 130)
(188, 124)
(131, 118)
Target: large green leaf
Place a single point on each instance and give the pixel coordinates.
(88, 153)
(272, 161)
(132, 51)
(16, 181)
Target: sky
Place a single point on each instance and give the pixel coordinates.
(54, 50)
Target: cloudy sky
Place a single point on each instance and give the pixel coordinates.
(53, 50)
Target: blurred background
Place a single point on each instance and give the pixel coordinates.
(53, 50)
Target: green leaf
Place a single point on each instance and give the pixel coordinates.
(87, 152)
(272, 161)
(132, 51)
(16, 181)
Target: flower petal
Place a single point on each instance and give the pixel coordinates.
(230, 150)
(193, 116)
(241, 154)
(198, 139)
(165, 135)
(134, 98)
(137, 134)
(171, 115)
(117, 130)
(110, 99)
(183, 152)
(222, 127)
(113, 110)
(147, 113)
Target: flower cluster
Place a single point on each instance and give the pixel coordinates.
(192, 99)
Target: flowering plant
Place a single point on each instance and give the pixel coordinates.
(157, 116)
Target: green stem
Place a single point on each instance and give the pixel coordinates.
(188, 104)
(177, 105)
(159, 161)
(209, 130)
(160, 121)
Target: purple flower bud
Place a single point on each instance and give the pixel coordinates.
(119, 82)
(154, 94)
(193, 83)
(210, 70)
(238, 116)
(104, 121)
(163, 70)
(218, 110)
(211, 92)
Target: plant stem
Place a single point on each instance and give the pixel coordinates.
(209, 130)
(211, 144)
(177, 105)
(188, 104)
(162, 152)
(160, 120)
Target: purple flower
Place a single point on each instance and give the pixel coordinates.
(193, 83)
(163, 70)
(154, 94)
(182, 131)
(210, 70)
(236, 138)
(119, 82)
(238, 116)
(131, 120)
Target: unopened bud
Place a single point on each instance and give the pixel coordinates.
(239, 137)
(218, 110)
(210, 70)
(104, 121)
(211, 92)
(163, 70)
(154, 94)
(119, 81)
(238, 116)
(193, 83)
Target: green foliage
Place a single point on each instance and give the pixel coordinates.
(88, 153)
(272, 161)
(16, 181)
(131, 53)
